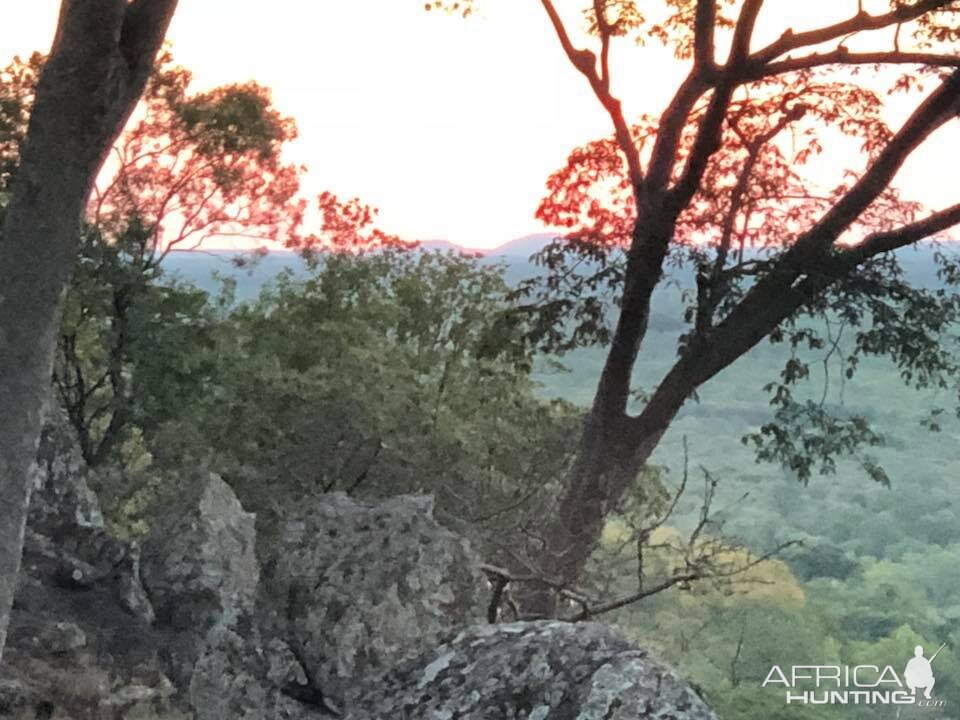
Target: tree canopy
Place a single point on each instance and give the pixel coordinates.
(720, 184)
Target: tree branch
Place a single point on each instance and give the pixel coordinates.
(743, 32)
(670, 131)
(705, 22)
(858, 23)
(941, 106)
(707, 142)
(889, 240)
(709, 298)
(586, 62)
(802, 271)
(841, 56)
(605, 31)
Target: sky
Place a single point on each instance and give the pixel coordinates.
(449, 126)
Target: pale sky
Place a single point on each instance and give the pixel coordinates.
(449, 126)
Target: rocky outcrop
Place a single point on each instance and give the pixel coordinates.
(200, 570)
(354, 588)
(532, 671)
(81, 641)
(357, 610)
(238, 676)
(61, 495)
(199, 562)
(66, 542)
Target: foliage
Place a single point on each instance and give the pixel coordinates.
(133, 351)
(201, 165)
(192, 166)
(17, 83)
(372, 373)
(721, 184)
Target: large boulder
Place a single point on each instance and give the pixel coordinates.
(354, 588)
(531, 671)
(199, 561)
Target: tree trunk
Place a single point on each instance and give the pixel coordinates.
(101, 58)
(613, 446)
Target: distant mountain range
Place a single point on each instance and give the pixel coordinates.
(198, 268)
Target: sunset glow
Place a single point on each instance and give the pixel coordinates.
(449, 126)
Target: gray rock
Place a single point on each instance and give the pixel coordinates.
(62, 637)
(532, 671)
(356, 613)
(354, 588)
(61, 494)
(199, 562)
(80, 631)
(66, 543)
(236, 678)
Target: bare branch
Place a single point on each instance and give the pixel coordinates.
(858, 23)
(841, 56)
(679, 579)
(586, 62)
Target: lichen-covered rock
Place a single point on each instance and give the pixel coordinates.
(61, 495)
(200, 570)
(353, 588)
(199, 562)
(355, 614)
(237, 678)
(66, 544)
(531, 671)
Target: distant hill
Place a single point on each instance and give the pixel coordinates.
(446, 245)
(199, 267)
(522, 247)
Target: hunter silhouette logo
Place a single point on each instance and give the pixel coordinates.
(918, 673)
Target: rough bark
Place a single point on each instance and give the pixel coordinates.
(98, 66)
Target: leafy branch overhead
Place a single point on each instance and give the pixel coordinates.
(725, 172)
(726, 184)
